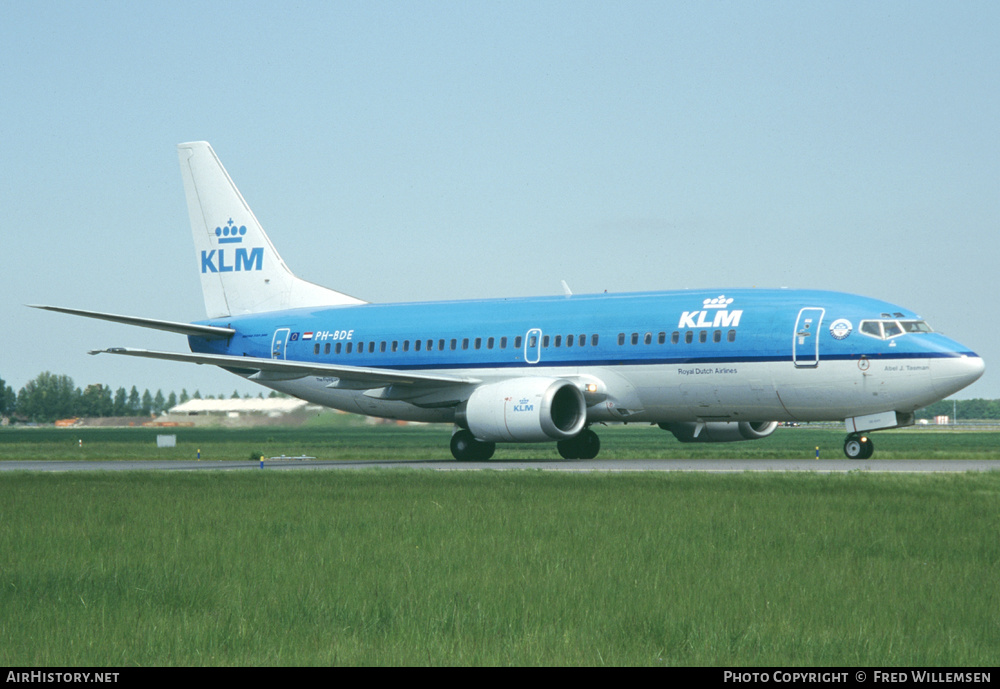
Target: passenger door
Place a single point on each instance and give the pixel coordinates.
(279, 343)
(533, 346)
(805, 341)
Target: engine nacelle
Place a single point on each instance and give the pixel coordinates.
(525, 410)
(719, 431)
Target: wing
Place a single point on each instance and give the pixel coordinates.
(281, 369)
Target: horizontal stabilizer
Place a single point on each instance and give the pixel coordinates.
(210, 332)
(284, 369)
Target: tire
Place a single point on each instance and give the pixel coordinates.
(854, 448)
(586, 445)
(869, 448)
(465, 448)
(590, 444)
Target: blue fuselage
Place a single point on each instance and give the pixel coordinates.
(658, 356)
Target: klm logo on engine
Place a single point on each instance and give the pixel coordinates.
(715, 313)
(524, 406)
(240, 260)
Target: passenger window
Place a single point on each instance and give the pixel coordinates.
(503, 343)
(635, 338)
(350, 347)
(454, 344)
(406, 345)
(675, 337)
(417, 344)
(558, 342)
(688, 337)
(479, 343)
(489, 343)
(593, 341)
(545, 340)
(465, 343)
(731, 336)
(661, 338)
(336, 350)
(717, 336)
(518, 340)
(316, 348)
(621, 338)
(569, 340)
(648, 338)
(703, 336)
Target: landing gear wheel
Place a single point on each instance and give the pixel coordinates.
(586, 445)
(590, 444)
(465, 447)
(858, 447)
(869, 448)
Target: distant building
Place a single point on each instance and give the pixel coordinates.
(234, 408)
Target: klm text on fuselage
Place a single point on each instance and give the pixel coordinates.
(706, 319)
(215, 261)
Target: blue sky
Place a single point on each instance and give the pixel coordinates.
(417, 151)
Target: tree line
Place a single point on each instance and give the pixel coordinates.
(50, 397)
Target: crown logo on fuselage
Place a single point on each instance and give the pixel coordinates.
(230, 234)
(719, 302)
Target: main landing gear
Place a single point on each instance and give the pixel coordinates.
(586, 445)
(858, 446)
(465, 447)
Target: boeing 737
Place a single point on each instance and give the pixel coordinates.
(708, 366)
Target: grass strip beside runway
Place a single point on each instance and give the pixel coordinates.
(406, 567)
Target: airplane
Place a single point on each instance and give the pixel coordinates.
(716, 365)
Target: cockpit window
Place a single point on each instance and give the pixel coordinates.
(889, 328)
(872, 328)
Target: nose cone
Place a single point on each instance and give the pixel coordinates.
(954, 373)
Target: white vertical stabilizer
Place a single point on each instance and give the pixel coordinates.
(241, 271)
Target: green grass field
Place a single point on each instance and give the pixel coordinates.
(399, 567)
(493, 568)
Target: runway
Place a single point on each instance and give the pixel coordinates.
(920, 466)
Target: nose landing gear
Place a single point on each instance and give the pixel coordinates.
(858, 447)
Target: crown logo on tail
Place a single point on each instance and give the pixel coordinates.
(230, 233)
